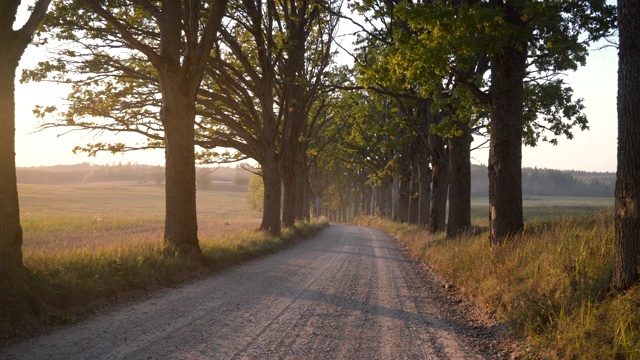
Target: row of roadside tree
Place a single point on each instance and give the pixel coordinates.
(259, 77)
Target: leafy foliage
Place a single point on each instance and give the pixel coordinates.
(255, 196)
(435, 49)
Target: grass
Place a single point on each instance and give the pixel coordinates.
(546, 207)
(90, 216)
(549, 284)
(87, 246)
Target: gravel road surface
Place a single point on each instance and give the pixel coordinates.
(348, 293)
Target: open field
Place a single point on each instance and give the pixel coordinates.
(96, 215)
(545, 207)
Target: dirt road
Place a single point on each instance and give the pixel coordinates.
(349, 293)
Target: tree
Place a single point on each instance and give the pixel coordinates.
(261, 87)
(508, 70)
(310, 32)
(421, 180)
(627, 214)
(551, 36)
(529, 44)
(459, 181)
(118, 41)
(12, 45)
(238, 99)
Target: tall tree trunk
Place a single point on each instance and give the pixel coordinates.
(289, 173)
(294, 176)
(357, 202)
(272, 198)
(299, 202)
(386, 198)
(424, 191)
(505, 144)
(365, 190)
(425, 118)
(403, 199)
(302, 189)
(439, 184)
(306, 198)
(414, 194)
(181, 222)
(627, 212)
(12, 45)
(289, 199)
(180, 73)
(395, 198)
(378, 200)
(460, 182)
(10, 229)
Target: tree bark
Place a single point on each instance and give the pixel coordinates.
(365, 190)
(425, 191)
(357, 203)
(181, 222)
(404, 177)
(414, 193)
(425, 118)
(302, 189)
(305, 200)
(180, 72)
(439, 184)
(272, 198)
(505, 144)
(627, 193)
(395, 198)
(460, 182)
(385, 197)
(12, 45)
(289, 199)
(403, 199)
(294, 179)
(10, 229)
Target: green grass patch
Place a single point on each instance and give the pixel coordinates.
(549, 284)
(546, 207)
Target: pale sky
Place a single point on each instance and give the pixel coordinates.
(592, 150)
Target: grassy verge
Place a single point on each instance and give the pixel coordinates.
(548, 284)
(60, 287)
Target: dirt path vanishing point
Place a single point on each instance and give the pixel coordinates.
(349, 293)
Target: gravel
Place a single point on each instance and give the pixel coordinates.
(350, 292)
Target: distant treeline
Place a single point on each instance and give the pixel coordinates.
(86, 172)
(548, 182)
(535, 182)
